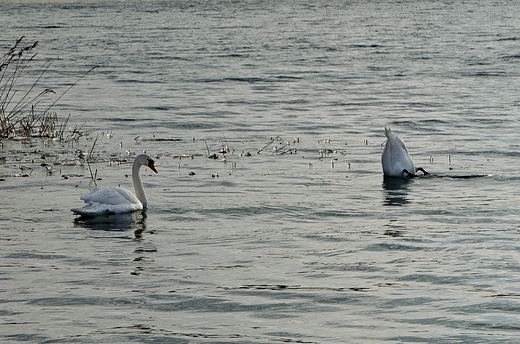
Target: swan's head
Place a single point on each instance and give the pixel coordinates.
(145, 160)
(151, 164)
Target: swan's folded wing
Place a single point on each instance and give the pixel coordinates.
(110, 196)
(108, 200)
(95, 208)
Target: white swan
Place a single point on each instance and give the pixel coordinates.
(395, 159)
(116, 200)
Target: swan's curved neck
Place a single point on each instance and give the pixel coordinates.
(138, 184)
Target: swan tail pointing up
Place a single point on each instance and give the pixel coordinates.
(395, 159)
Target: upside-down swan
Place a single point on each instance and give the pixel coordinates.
(395, 159)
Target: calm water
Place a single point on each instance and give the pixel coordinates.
(303, 241)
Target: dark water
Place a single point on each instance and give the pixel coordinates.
(303, 241)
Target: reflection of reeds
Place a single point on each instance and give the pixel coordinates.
(20, 113)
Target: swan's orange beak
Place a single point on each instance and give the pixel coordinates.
(152, 166)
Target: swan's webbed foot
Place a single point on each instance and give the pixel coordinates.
(422, 170)
(410, 175)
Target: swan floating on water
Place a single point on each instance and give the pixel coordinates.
(395, 159)
(116, 200)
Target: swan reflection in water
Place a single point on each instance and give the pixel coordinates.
(115, 222)
(396, 190)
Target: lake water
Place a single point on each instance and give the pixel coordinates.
(293, 235)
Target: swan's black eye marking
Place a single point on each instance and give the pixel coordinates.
(151, 165)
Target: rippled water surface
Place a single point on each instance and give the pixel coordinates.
(292, 235)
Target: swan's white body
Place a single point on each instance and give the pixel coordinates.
(116, 200)
(395, 159)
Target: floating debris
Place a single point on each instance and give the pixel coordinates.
(157, 138)
(290, 151)
(324, 141)
(267, 145)
(183, 156)
(23, 168)
(225, 148)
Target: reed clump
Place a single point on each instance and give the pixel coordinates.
(27, 113)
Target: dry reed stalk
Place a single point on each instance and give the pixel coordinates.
(93, 176)
(18, 110)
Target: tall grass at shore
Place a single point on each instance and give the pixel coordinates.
(27, 113)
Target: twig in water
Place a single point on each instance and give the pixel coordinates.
(267, 145)
(207, 148)
(93, 176)
(277, 149)
(23, 168)
(226, 148)
(92, 149)
(212, 156)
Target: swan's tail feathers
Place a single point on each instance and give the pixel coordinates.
(391, 135)
(389, 132)
(395, 140)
